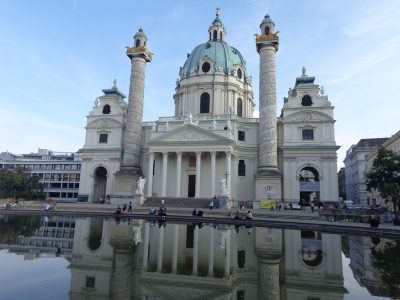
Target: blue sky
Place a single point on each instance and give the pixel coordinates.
(57, 56)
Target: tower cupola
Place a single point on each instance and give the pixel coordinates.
(216, 31)
(140, 38)
(267, 25)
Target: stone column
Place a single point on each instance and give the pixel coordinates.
(150, 175)
(268, 270)
(133, 129)
(164, 174)
(211, 253)
(228, 169)
(227, 256)
(160, 249)
(178, 173)
(175, 249)
(212, 186)
(146, 245)
(267, 45)
(195, 250)
(198, 172)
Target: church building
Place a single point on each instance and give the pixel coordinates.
(212, 146)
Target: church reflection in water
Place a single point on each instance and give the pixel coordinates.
(136, 259)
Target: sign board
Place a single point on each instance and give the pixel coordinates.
(268, 203)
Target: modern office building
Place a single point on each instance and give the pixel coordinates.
(58, 171)
(356, 163)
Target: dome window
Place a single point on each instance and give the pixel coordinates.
(215, 35)
(239, 73)
(239, 107)
(205, 103)
(137, 44)
(106, 109)
(205, 67)
(306, 101)
(266, 30)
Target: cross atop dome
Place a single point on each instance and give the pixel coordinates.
(217, 12)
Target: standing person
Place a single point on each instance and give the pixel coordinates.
(249, 216)
(130, 206)
(211, 204)
(194, 212)
(124, 207)
(312, 206)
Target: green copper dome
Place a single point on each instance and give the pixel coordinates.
(225, 57)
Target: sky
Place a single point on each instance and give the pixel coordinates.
(57, 56)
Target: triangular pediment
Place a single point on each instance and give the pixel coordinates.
(307, 116)
(189, 133)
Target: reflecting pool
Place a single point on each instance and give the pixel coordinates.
(62, 257)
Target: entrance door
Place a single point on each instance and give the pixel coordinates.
(191, 185)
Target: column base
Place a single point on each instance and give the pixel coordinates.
(268, 187)
(125, 182)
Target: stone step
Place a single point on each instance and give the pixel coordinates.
(178, 202)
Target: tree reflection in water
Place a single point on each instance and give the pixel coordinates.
(386, 260)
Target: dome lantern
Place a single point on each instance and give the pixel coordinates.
(216, 32)
(267, 25)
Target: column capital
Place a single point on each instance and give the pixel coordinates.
(213, 152)
(165, 153)
(178, 152)
(198, 153)
(228, 152)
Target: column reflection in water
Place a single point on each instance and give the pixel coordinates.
(203, 261)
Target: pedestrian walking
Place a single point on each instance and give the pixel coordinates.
(312, 206)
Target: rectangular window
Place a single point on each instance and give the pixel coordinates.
(103, 137)
(307, 134)
(241, 135)
(241, 168)
(90, 282)
(240, 295)
(241, 258)
(189, 236)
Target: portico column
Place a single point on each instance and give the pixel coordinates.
(198, 168)
(227, 255)
(213, 154)
(150, 175)
(178, 173)
(164, 174)
(228, 170)
(211, 253)
(146, 246)
(175, 249)
(160, 249)
(195, 250)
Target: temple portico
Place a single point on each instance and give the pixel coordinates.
(196, 173)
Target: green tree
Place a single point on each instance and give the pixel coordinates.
(384, 176)
(387, 261)
(20, 184)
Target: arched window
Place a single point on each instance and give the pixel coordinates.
(239, 73)
(215, 35)
(220, 35)
(137, 43)
(205, 103)
(266, 30)
(306, 101)
(239, 107)
(210, 35)
(106, 109)
(241, 168)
